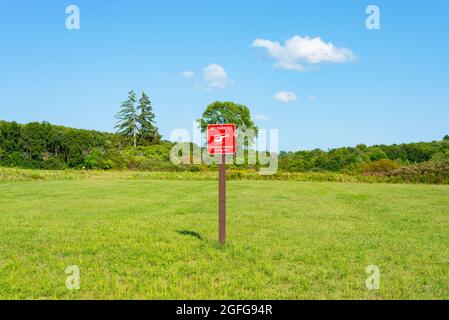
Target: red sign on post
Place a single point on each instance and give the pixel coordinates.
(221, 138)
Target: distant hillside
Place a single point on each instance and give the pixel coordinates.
(47, 146)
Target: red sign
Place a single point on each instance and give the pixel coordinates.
(221, 138)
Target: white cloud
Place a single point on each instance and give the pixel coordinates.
(285, 96)
(187, 74)
(312, 98)
(261, 117)
(298, 52)
(215, 76)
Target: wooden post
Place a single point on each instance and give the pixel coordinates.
(222, 200)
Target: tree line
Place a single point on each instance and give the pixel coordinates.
(137, 144)
(361, 158)
(43, 145)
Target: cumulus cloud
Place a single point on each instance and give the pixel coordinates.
(261, 117)
(215, 76)
(298, 52)
(285, 96)
(187, 74)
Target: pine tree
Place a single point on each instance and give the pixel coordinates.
(127, 122)
(148, 131)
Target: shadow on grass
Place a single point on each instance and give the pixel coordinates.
(190, 234)
(205, 242)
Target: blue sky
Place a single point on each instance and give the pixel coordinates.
(368, 86)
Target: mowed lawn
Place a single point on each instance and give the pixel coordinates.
(156, 239)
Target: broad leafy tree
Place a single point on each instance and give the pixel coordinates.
(229, 112)
(10, 133)
(127, 120)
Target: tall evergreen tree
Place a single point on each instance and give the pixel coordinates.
(148, 130)
(127, 122)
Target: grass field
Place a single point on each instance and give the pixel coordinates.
(156, 239)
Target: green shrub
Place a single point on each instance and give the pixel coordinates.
(379, 167)
(54, 164)
(441, 156)
(430, 172)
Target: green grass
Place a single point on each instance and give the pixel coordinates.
(156, 239)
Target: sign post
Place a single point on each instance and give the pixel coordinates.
(222, 200)
(221, 141)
